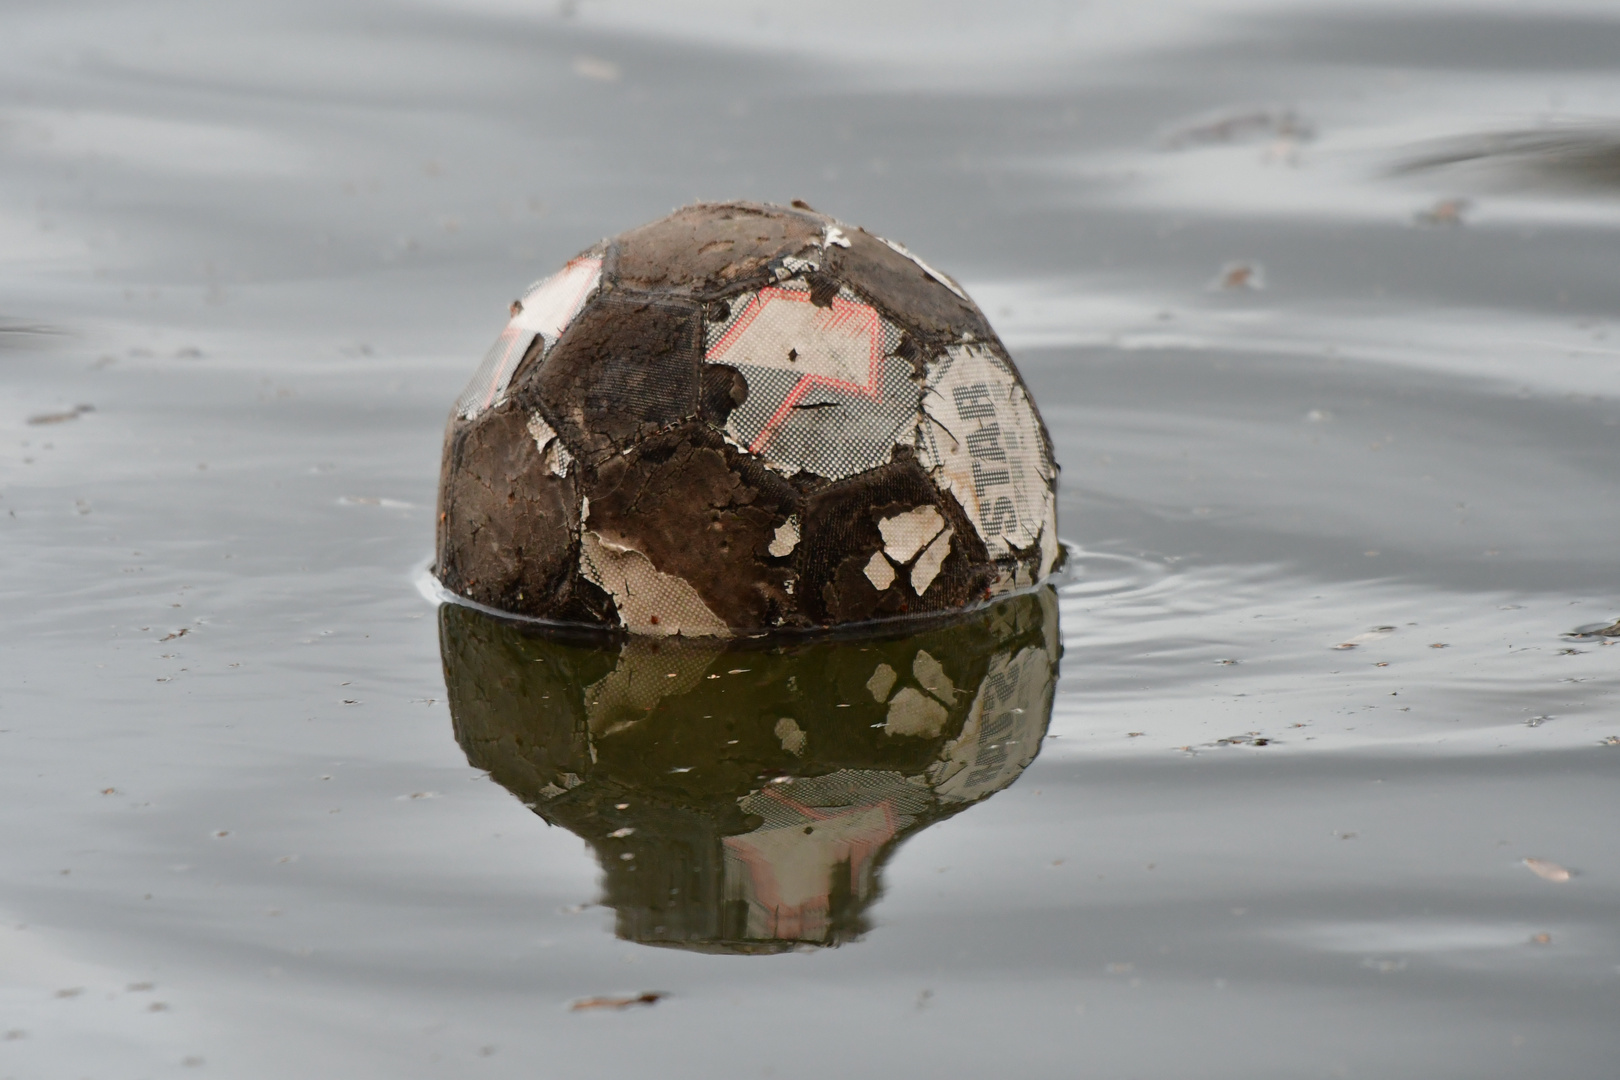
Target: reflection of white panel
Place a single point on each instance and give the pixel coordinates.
(982, 440)
(913, 713)
(786, 875)
(545, 310)
(648, 670)
(1005, 724)
(1003, 729)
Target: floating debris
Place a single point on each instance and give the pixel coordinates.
(646, 997)
(1444, 212)
(1374, 634)
(1547, 871)
(1251, 738)
(61, 417)
(591, 67)
(1596, 630)
(1247, 126)
(1240, 275)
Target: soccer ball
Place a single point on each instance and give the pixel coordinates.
(745, 418)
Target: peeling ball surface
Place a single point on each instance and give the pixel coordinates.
(744, 418)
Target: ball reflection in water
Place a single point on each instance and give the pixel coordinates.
(743, 796)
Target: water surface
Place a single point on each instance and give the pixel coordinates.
(267, 243)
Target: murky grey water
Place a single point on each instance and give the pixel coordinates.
(267, 243)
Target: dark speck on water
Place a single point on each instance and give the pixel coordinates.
(1319, 304)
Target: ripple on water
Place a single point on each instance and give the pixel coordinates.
(1246, 659)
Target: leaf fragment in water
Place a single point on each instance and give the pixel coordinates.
(1361, 639)
(646, 997)
(1547, 871)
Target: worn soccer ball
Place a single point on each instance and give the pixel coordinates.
(745, 418)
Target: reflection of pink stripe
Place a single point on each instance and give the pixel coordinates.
(762, 874)
(809, 918)
(817, 814)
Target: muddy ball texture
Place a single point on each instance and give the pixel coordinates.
(744, 418)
